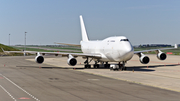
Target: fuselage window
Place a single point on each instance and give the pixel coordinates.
(112, 40)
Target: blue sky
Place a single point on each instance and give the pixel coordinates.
(49, 21)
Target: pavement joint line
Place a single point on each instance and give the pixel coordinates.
(8, 93)
(131, 81)
(20, 88)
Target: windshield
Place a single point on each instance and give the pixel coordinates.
(124, 40)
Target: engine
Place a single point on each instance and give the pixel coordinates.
(72, 61)
(39, 59)
(161, 56)
(144, 59)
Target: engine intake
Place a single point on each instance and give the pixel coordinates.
(39, 59)
(144, 59)
(161, 56)
(72, 61)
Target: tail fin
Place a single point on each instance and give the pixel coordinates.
(83, 30)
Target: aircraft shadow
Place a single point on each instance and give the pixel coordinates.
(132, 68)
(146, 68)
(41, 67)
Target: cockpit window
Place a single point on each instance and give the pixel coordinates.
(124, 40)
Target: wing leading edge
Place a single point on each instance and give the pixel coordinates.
(156, 50)
(73, 54)
(92, 55)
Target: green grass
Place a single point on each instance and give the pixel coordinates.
(8, 48)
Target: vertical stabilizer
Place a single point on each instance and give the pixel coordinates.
(83, 30)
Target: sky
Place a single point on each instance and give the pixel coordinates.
(49, 21)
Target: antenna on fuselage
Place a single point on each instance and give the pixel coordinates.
(83, 30)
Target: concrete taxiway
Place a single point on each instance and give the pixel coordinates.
(21, 79)
(163, 74)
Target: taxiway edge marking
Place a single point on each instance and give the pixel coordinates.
(20, 88)
(7, 92)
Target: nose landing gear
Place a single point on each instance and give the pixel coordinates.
(122, 66)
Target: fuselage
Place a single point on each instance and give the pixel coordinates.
(112, 49)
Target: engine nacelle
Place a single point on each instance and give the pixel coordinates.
(72, 61)
(39, 59)
(161, 56)
(144, 59)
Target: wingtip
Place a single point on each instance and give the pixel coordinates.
(2, 49)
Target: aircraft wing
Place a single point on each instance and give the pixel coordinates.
(75, 45)
(73, 54)
(32, 52)
(57, 53)
(156, 50)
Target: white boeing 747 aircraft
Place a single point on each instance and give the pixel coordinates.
(113, 49)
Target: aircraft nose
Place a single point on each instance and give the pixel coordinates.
(129, 48)
(129, 52)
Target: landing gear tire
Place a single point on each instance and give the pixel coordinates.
(96, 65)
(116, 69)
(123, 68)
(87, 66)
(111, 68)
(106, 65)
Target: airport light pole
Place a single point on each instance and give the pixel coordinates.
(9, 39)
(25, 42)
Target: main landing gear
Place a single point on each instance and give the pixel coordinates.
(87, 63)
(106, 65)
(119, 66)
(96, 65)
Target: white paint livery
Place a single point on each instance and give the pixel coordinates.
(83, 30)
(112, 49)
